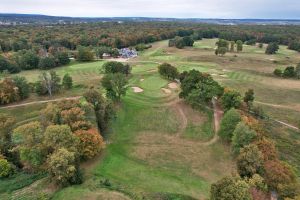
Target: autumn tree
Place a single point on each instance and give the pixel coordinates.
(228, 124)
(268, 149)
(29, 138)
(230, 188)
(250, 161)
(91, 143)
(242, 136)
(281, 177)
(75, 119)
(62, 167)
(60, 136)
(8, 91)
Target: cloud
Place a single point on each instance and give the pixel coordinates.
(157, 8)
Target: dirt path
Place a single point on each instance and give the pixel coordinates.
(294, 107)
(40, 102)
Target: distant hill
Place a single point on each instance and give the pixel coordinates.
(21, 19)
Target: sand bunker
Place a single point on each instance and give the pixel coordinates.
(166, 91)
(173, 85)
(142, 79)
(224, 75)
(137, 89)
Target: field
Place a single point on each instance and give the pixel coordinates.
(159, 145)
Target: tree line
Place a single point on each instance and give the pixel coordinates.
(259, 168)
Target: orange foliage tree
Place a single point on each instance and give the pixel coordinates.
(91, 143)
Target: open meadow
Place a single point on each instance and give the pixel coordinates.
(158, 145)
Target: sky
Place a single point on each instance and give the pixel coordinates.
(229, 9)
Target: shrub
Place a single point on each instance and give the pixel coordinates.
(231, 99)
(278, 72)
(5, 168)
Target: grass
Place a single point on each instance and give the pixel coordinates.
(146, 157)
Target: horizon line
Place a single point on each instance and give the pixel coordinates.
(152, 17)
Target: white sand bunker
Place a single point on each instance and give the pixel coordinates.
(166, 91)
(137, 89)
(173, 85)
(142, 79)
(223, 75)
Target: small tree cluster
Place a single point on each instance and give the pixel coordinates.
(199, 88)
(288, 72)
(13, 89)
(181, 42)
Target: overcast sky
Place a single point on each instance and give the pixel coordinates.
(275, 9)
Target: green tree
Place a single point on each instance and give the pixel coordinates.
(62, 166)
(27, 59)
(168, 71)
(249, 97)
(199, 88)
(7, 65)
(231, 99)
(47, 63)
(116, 67)
(242, 136)
(60, 136)
(272, 48)
(239, 46)
(23, 86)
(102, 50)
(289, 72)
(222, 43)
(115, 85)
(85, 54)
(28, 138)
(62, 58)
(6, 125)
(67, 81)
(230, 188)
(49, 81)
(221, 51)
(250, 161)
(228, 124)
(104, 110)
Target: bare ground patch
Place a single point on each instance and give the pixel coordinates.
(166, 91)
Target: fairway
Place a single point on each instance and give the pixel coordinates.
(158, 144)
